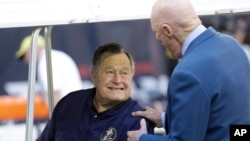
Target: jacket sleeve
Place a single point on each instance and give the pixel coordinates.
(188, 110)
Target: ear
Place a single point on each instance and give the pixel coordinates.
(93, 78)
(167, 30)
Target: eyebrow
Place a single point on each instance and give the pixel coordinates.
(123, 68)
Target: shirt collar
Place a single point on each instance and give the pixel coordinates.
(110, 112)
(195, 33)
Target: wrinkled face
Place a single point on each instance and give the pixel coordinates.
(160, 35)
(164, 33)
(114, 78)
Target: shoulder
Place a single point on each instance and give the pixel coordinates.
(60, 55)
(75, 98)
(135, 106)
(77, 95)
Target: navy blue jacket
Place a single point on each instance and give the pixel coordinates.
(208, 91)
(76, 119)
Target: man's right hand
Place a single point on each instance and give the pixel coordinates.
(150, 114)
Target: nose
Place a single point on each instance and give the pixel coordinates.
(117, 78)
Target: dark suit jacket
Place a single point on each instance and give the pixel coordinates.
(209, 90)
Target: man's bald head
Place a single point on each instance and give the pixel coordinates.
(174, 12)
(172, 21)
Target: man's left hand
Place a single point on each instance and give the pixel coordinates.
(135, 135)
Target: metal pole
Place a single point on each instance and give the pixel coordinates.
(47, 34)
(31, 87)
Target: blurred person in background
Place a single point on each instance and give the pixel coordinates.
(66, 76)
(240, 31)
(209, 88)
(103, 112)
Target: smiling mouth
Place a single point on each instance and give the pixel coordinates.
(111, 88)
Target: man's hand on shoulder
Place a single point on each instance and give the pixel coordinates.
(150, 114)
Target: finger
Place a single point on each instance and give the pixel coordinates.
(130, 135)
(138, 113)
(147, 108)
(143, 125)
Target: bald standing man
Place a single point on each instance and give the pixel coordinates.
(209, 88)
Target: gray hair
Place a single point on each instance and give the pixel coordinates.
(113, 48)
